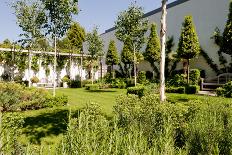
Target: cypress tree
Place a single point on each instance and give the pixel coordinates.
(189, 46)
(127, 56)
(226, 44)
(112, 55)
(152, 53)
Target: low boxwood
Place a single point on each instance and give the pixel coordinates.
(180, 90)
(138, 90)
(92, 87)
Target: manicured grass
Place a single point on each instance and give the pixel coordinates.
(78, 98)
(46, 126)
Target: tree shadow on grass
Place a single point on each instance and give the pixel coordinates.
(46, 124)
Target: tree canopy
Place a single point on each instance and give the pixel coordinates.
(189, 46)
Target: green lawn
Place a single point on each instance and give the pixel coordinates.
(46, 126)
(78, 98)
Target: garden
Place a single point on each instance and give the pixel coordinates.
(123, 111)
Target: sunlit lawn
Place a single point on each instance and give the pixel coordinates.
(78, 98)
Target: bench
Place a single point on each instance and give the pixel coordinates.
(215, 82)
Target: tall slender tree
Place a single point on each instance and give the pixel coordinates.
(163, 32)
(189, 46)
(152, 52)
(95, 49)
(130, 25)
(112, 56)
(59, 15)
(31, 19)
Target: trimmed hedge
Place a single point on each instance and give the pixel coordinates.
(92, 87)
(138, 90)
(74, 84)
(192, 89)
(180, 90)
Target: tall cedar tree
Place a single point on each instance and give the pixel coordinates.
(152, 53)
(189, 46)
(76, 35)
(112, 56)
(226, 44)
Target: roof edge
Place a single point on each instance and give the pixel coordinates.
(170, 5)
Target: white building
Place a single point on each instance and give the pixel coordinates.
(207, 15)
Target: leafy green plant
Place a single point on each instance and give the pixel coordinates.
(180, 90)
(138, 90)
(194, 76)
(225, 91)
(92, 87)
(34, 79)
(142, 77)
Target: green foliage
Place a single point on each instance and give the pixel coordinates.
(142, 77)
(179, 90)
(31, 19)
(226, 90)
(127, 52)
(177, 81)
(65, 79)
(226, 44)
(76, 35)
(95, 44)
(35, 63)
(170, 61)
(10, 129)
(16, 97)
(34, 79)
(92, 87)
(188, 46)
(112, 54)
(152, 52)
(195, 76)
(130, 25)
(138, 90)
(59, 15)
(191, 89)
(74, 84)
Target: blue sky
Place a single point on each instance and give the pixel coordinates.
(100, 13)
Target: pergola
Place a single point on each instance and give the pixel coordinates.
(31, 52)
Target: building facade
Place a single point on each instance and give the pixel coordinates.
(207, 15)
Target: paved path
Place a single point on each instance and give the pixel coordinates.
(208, 93)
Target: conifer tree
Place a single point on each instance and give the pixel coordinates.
(127, 56)
(189, 46)
(112, 56)
(152, 53)
(226, 44)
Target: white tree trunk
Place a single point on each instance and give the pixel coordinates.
(135, 73)
(163, 42)
(29, 68)
(54, 69)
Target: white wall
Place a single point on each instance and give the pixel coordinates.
(207, 15)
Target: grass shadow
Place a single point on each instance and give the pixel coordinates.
(46, 124)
